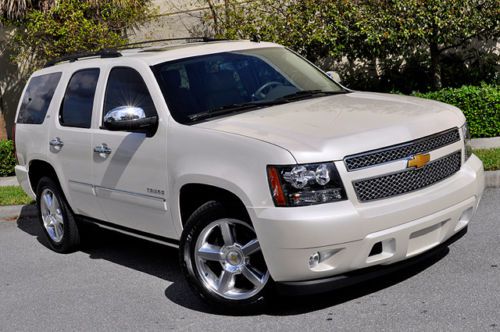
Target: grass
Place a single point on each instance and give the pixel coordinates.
(13, 195)
(490, 158)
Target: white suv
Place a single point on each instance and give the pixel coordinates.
(251, 160)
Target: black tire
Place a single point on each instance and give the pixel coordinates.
(70, 240)
(201, 218)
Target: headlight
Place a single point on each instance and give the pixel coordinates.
(466, 136)
(298, 185)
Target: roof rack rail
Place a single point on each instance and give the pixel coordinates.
(104, 53)
(114, 53)
(188, 39)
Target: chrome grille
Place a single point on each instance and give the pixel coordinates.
(408, 180)
(402, 151)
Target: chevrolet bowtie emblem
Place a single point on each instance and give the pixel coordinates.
(419, 160)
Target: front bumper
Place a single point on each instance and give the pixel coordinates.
(317, 286)
(344, 233)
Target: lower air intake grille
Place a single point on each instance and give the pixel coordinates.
(408, 180)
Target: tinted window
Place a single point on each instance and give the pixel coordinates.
(127, 88)
(76, 109)
(36, 99)
(208, 85)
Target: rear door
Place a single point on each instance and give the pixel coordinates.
(70, 141)
(131, 178)
(33, 120)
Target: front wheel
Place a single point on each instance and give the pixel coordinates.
(221, 258)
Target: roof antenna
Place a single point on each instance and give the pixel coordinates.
(256, 38)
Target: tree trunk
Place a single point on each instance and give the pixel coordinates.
(226, 14)
(373, 69)
(435, 59)
(215, 17)
(435, 66)
(3, 127)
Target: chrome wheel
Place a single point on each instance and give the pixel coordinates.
(52, 217)
(229, 261)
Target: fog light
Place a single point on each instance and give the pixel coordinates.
(314, 260)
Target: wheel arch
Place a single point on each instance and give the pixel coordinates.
(193, 195)
(39, 168)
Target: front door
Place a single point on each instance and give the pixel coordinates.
(130, 175)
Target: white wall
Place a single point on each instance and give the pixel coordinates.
(175, 19)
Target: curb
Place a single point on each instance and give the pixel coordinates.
(8, 181)
(12, 212)
(485, 143)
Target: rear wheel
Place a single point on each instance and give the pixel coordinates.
(56, 218)
(222, 259)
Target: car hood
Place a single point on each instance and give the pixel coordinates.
(329, 128)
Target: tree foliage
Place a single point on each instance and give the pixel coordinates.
(311, 27)
(51, 28)
(386, 34)
(34, 31)
(432, 27)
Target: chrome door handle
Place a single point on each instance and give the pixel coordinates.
(102, 149)
(56, 142)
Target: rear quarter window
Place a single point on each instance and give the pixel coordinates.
(37, 98)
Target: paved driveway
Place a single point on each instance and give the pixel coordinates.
(120, 283)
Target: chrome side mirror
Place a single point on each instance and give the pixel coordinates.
(128, 118)
(334, 76)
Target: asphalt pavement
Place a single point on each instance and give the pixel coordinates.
(120, 283)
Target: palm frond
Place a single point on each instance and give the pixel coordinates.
(13, 9)
(17, 9)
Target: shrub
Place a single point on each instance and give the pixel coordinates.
(480, 104)
(7, 158)
(490, 158)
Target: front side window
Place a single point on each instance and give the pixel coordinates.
(207, 86)
(127, 88)
(78, 102)
(36, 99)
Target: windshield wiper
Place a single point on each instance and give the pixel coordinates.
(233, 108)
(309, 93)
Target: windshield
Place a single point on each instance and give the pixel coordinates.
(203, 87)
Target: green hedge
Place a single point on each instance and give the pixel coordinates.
(7, 158)
(480, 104)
